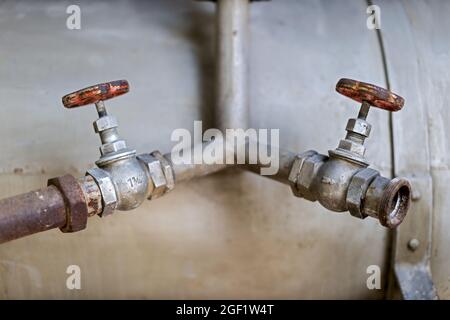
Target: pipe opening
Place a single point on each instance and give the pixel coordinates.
(399, 202)
(395, 203)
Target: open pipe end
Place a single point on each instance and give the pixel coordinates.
(394, 202)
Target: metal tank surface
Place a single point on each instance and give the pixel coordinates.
(355, 208)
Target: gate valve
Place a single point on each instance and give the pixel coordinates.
(113, 147)
(352, 147)
(124, 179)
(343, 181)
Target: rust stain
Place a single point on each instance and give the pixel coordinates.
(76, 208)
(31, 212)
(92, 195)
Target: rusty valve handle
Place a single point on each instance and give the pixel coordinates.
(372, 94)
(95, 93)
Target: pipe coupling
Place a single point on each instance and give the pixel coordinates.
(160, 173)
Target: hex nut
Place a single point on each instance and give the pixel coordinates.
(105, 123)
(107, 189)
(307, 174)
(113, 147)
(158, 178)
(76, 207)
(352, 147)
(295, 172)
(156, 174)
(167, 168)
(160, 172)
(357, 189)
(359, 126)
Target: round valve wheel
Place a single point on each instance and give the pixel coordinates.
(374, 95)
(96, 93)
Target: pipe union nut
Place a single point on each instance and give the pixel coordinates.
(160, 172)
(303, 172)
(106, 186)
(76, 207)
(357, 191)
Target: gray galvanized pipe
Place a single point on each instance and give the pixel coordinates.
(286, 159)
(232, 37)
(188, 171)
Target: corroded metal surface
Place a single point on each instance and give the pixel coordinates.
(66, 203)
(92, 194)
(75, 202)
(374, 95)
(95, 93)
(394, 202)
(31, 212)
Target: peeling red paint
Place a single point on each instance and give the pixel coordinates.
(374, 95)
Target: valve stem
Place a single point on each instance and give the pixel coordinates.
(352, 146)
(101, 109)
(364, 110)
(113, 147)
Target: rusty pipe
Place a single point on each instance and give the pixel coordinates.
(66, 204)
(31, 212)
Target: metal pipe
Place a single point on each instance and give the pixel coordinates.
(231, 109)
(31, 212)
(76, 200)
(232, 64)
(286, 159)
(188, 171)
(184, 172)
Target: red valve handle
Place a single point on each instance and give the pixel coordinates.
(96, 93)
(374, 95)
